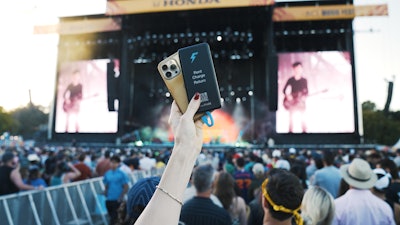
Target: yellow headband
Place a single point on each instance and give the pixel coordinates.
(299, 220)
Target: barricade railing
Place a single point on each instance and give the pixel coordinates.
(80, 203)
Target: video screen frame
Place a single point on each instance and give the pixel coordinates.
(81, 101)
(323, 101)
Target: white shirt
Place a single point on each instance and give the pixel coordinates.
(362, 207)
(147, 163)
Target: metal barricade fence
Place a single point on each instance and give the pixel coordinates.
(80, 203)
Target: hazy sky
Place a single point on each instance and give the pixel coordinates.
(28, 61)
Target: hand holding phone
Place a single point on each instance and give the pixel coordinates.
(188, 71)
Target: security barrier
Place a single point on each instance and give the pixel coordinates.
(77, 203)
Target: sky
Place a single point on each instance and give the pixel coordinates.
(29, 61)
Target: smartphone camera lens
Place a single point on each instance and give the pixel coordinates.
(173, 67)
(168, 74)
(164, 67)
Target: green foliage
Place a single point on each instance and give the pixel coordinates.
(7, 123)
(29, 119)
(378, 127)
(368, 106)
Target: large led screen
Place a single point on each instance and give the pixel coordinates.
(315, 93)
(81, 98)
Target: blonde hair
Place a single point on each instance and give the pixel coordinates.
(318, 207)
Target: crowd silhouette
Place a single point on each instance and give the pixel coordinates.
(232, 183)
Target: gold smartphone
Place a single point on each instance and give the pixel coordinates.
(191, 70)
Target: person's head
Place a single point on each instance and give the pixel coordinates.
(107, 154)
(240, 162)
(203, 177)
(34, 172)
(318, 207)
(389, 166)
(258, 170)
(76, 76)
(282, 195)
(328, 158)
(276, 154)
(358, 174)
(82, 157)
(297, 68)
(115, 161)
(10, 159)
(139, 196)
(224, 188)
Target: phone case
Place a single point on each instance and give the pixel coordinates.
(188, 71)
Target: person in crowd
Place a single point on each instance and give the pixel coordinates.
(343, 188)
(298, 168)
(235, 205)
(328, 177)
(315, 164)
(393, 191)
(256, 212)
(86, 172)
(147, 162)
(10, 177)
(50, 166)
(282, 194)
(129, 165)
(397, 158)
(191, 191)
(317, 207)
(104, 164)
(373, 158)
(242, 178)
(380, 188)
(256, 181)
(35, 179)
(358, 205)
(139, 196)
(116, 186)
(200, 209)
(160, 164)
(228, 164)
(250, 163)
(65, 173)
(279, 161)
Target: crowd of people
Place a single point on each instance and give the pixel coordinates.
(226, 187)
(201, 186)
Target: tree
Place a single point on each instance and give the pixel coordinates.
(29, 120)
(380, 128)
(368, 106)
(7, 122)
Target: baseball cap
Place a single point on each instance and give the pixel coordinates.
(140, 194)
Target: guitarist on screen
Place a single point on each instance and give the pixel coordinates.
(72, 100)
(296, 91)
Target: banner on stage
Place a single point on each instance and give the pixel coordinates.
(149, 6)
(328, 12)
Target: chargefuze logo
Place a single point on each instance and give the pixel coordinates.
(193, 56)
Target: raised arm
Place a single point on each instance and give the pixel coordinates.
(165, 205)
